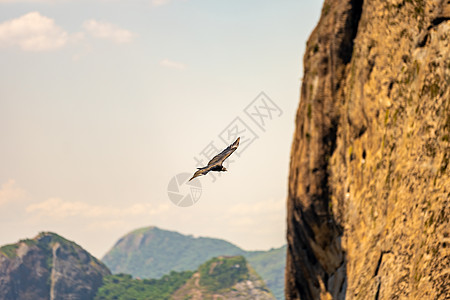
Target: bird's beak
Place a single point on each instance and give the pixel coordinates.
(225, 169)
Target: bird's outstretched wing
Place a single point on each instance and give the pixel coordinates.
(201, 171)
(219, 158)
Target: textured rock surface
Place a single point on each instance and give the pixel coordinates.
(48, 267)
(369, 186)
(250, 286)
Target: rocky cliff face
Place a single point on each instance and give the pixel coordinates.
(48, 267)
(369, 187)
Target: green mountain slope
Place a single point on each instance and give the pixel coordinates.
(224, 277)
(124, 287)
(270, 266)
(152, 252)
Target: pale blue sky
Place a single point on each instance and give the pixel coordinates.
(103, 102)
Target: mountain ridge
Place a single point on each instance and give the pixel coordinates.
(48, 267)
(151, 252)
(223, 277)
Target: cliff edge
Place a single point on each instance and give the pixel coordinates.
(369, 188)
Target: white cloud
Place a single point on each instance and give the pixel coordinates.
(33, 32)
(172, 64)
(10, 192)
(108, 31)
(58, 208)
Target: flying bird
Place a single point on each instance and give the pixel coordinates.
(215, 164)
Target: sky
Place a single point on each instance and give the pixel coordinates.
(103, 103)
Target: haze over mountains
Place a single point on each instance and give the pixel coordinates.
(164, 264)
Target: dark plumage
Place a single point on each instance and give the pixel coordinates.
(215, 164)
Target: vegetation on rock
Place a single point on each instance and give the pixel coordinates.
(222, 272)
(124, 287)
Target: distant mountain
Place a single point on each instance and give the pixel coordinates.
(270, 265)
(219, 278)
(48, 267)
(152, 252)
(51, 267)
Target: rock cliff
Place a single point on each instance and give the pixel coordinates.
(48, 267)
(369, 188)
